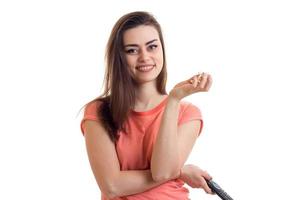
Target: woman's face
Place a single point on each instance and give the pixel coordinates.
(143, 52)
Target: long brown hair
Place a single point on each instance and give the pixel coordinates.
(119, 94)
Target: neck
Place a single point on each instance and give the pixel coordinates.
(147, 96)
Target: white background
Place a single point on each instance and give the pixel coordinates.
(51, 64)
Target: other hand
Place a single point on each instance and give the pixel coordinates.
(198, 83)
(195, 177)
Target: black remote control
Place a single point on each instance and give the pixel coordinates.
(218, 190)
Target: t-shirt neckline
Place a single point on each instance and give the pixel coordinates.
(151, 111)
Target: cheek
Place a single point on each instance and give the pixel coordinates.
(130, 61)
(160, 57)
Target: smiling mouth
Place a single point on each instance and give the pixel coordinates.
(145, 68)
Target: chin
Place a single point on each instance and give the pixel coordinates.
(142, 81)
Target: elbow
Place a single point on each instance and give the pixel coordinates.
(165, 173)
(161, 175)
(160, 178)
(165, 176)
(109, 191)
(111, 195)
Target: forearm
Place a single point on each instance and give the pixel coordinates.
(165, 156)
(133, 182)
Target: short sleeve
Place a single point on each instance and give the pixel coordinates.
(90, 113)
(188, 113)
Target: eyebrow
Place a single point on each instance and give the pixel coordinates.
(135, 45)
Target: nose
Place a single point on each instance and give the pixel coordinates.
(144, 55)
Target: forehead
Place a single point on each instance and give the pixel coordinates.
(140, 35)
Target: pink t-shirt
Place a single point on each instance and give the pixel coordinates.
(134, 148)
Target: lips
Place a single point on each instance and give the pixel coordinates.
(145, 68)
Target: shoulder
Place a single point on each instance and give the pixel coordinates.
(187, 106)
(90, 113)
(92, 107)
(188, 111)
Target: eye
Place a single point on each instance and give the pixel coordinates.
(131, 51)
(153, 46)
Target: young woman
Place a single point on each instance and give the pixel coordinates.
(138, 137)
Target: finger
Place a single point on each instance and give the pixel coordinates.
(188, 81)
(205, 186)
(191, 80)
(203, 81)
(206, 175)
(199, 74)
(195, 81)
(208, 83)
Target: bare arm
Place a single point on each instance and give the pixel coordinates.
(106, 168)
(174, 144)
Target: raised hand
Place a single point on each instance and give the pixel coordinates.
(198, 83)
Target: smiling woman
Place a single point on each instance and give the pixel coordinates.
(138, 137)
(143, 54)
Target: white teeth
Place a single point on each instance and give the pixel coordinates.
(145, 68)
